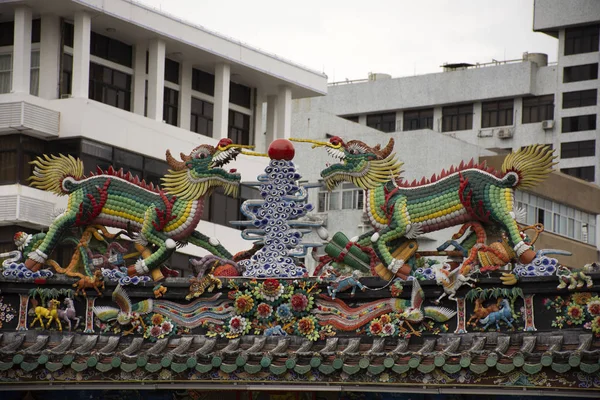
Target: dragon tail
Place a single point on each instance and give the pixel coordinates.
(484, 320)
(532, 164)
(50, 172)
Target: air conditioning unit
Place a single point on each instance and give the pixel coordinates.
(505, 133)
(548, 124)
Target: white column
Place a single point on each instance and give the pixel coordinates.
(185, 95)
(259, 129)
(156, 79)
(221, 109)
(399, 121)
(437, 119)
(49, 56)
(271, 120)
(284, 112)
(362, 119)
(81, 54)
(139, 78)
(22, 50)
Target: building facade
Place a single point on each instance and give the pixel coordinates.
(439, 119)
(116, 83)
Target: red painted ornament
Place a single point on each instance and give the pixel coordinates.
(281, 149)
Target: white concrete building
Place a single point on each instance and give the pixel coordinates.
(116, 82)
(468, 109)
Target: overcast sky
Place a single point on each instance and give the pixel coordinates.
(347, 39)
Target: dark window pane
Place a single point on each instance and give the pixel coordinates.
(201, 118)
(580, 98)
(538, 108)
(35, 30)
(585, 148)
(579, 123)
(240, 94)
(352, 118)
(171, 71)
(171, 106)
(7, 31)
(457, 118)
(203, 82)
(580, 73)
(239, 127)
(497, 113)
(418, 119)
(585, 173)
(385, 122)
(110, 87)
(111, 49)
(581, 40)
(68, 34)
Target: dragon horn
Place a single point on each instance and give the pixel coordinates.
(388, 149)
(173, 163)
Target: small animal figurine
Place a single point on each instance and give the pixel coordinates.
(504, 314)
(69, 314)
(574, 279)
(95, 282)
(159, 291)
(451, 281)
(51, 313)
(344, 283)
(199, 285)
(481, 312)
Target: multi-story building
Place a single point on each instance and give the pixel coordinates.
(440, 119)
(119, 83)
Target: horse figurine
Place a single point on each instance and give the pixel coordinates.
(481, 312)
(95, 282)
(69, 314)
(451, 281)
(344, 283)
(504, 314)
(51, 313)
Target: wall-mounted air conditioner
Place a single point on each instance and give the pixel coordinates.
(548, 124)
(505, 133)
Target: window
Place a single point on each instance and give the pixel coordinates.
(170, 106)
(385, 122)
(344, 197)
(34, 77)
(497, 113)
(171, 71)
(129, 161)
(7, 31)
(457, 118)
(68, 34)
(67, 74)
(556, 217)
(580, 98)
(240, 94)
(580, 73)
(203, 82)
(221, 209)
(16, 151)
(352, 118)
(111, 49)
(202, 117)
(585, 148)
(418, 119)
(585, 173)
(36, 26)
(239, 127)
(579, 123)
(581, 40)
(538, 108)
(5, 73)
(110, 86)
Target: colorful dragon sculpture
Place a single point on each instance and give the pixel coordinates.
(161, 218)
(398, 209)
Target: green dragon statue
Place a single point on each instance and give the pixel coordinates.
(401, 210)
(160, 218)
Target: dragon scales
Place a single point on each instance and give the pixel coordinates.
(161, 218)
(398, 209)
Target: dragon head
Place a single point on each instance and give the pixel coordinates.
(364, 166)
(200, 172)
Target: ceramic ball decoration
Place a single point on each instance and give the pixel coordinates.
(281, 149)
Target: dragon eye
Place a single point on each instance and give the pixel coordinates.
(201, 153)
